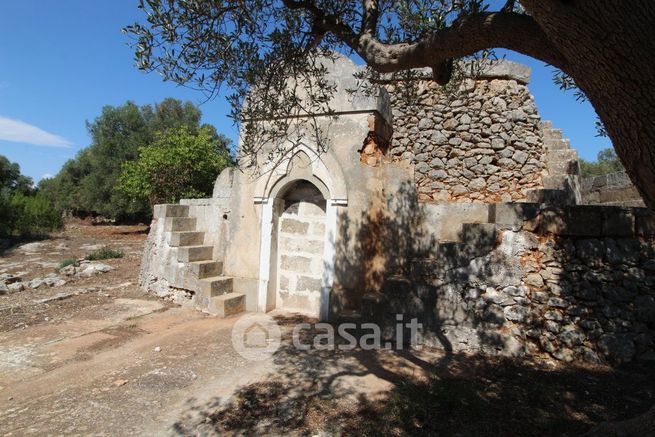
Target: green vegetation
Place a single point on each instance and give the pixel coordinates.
(24, 210)
(606, 162)
(178, 164)
(105, 253)
(86, 185)
(68, 262)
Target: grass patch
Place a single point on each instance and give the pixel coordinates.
(68, 262)
(105, 253)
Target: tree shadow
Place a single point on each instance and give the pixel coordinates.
(523, 325)
(421, 393)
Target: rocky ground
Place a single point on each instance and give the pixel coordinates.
(97, 356)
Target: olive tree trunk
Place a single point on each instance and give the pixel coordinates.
(609, 48)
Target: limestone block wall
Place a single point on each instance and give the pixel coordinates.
(574, 283)
(610, 189)
(300, 241)
(480, 143)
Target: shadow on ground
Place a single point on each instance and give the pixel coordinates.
(423, 393)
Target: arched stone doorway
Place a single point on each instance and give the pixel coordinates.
(303, 172)
(299, 245)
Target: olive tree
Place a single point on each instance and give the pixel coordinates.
(606, 48)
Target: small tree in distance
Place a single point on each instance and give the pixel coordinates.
(178, 164)
(606, 162)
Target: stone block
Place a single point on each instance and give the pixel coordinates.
(188, 238)
(480, 234)
(645, 222)
(575, 221)
(618, 222)
(306, 283)
(180, 224)
(206, 269)
(216, 285)
(227, 304)
(195, 253)
(296, 263)
(512, 215)
(294, 226)
(170, 210)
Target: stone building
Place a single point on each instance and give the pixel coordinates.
(458, 208)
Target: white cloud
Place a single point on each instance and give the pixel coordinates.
(20, 132)
(46, 176)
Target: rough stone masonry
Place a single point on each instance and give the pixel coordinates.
(481, 142)
(457, 209)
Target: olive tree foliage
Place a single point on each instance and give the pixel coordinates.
(269, 55)
(605, 47)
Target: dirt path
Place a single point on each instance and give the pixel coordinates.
(97, 356)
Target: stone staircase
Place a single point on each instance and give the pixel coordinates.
(212, 291)
(476, 240)
(562, 184)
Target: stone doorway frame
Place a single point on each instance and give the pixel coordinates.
(325, 173)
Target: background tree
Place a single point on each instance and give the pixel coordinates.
(86, 184)
(606, 48)
(606, 162)
(178, 164)
(24, 210)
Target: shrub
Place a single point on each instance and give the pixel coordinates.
(105, 253)
(32, 215)
(68, 262)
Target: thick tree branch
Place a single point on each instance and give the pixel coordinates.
(370, 17)
(508, 30)
(477, 32)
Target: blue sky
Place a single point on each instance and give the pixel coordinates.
(61, 61)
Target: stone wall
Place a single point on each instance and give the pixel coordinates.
(610, 189)
(479, 143)
(574, 283)
(300, 257)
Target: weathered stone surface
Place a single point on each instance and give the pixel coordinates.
(294, 226)
(617, 347)
(534, 280)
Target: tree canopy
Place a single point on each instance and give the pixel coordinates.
(606, 162)
(607, 50)
(178, 164)
(24, 210)
(86, 184)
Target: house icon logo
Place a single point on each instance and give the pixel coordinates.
(256, 336)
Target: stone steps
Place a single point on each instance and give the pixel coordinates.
(561, 185)
(206, 269)
(213, 293)
(551, 196)
(227, 304)
(186, 254)
(171, 210)
(186, 238)
(209, 288)
(477, 239)
(180, 224)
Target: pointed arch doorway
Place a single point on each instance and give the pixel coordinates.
(298, 227)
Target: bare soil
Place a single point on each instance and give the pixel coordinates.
(98, 356)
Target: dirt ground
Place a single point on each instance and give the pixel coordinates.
(98, 356)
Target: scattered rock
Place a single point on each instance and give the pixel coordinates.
(36, 283)
(16, 287)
